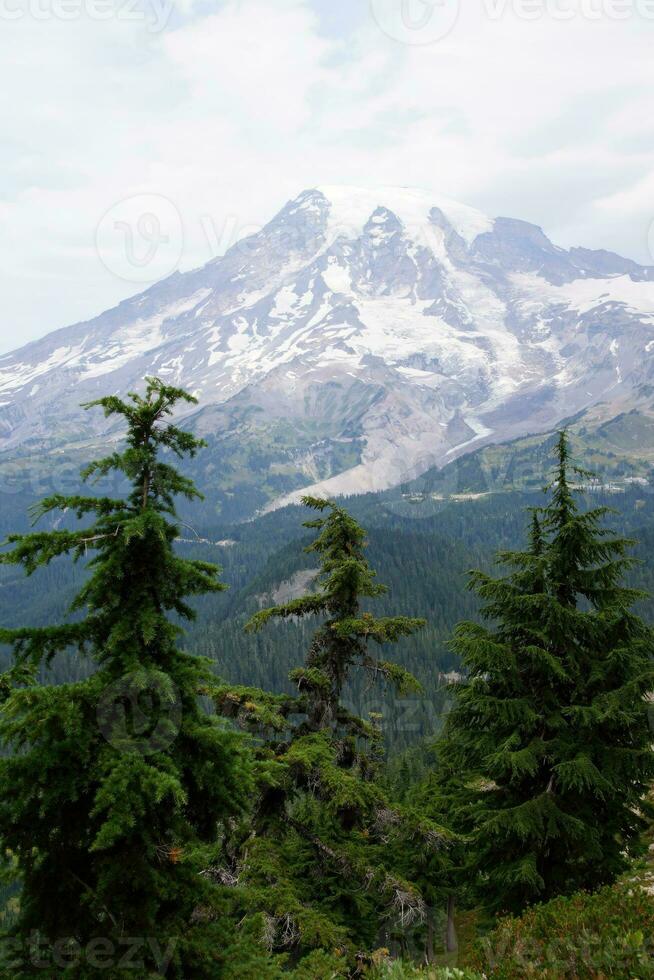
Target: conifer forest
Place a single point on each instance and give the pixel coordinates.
(340, 740)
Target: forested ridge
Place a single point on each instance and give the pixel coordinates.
(357, 763)
(424, 561)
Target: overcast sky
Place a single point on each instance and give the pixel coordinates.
(209, 115)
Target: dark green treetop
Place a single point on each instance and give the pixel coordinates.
(319, 865)
(342, 641)
(112, 801)
(547, 750)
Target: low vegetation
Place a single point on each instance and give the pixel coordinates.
(584, 937)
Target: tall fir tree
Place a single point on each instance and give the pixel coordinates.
(321, 865)
(112, 800)
(546, 756)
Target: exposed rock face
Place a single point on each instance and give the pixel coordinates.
(361, 337)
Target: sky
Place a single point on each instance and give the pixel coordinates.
(141, 136)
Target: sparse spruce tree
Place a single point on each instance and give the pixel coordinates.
(318, 866)
(112, 800)
(547, 751)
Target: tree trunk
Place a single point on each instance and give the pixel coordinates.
(429, 951)
(451, 944)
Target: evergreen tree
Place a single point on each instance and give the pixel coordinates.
(112, 801)
(318, 866)
(547, 754)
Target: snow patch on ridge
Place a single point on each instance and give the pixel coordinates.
(585, 295)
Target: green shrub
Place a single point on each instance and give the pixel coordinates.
(585, 937)
(320, 965)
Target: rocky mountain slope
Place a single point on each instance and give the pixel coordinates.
(360, 338)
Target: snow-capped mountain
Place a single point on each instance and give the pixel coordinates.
(361, 337)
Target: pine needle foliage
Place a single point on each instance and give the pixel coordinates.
(112, 800)
(547, 753)
(319, 865)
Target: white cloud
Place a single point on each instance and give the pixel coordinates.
(630, 201)
(233, 109)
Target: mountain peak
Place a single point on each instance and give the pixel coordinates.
(363, 335)
(350, 208)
